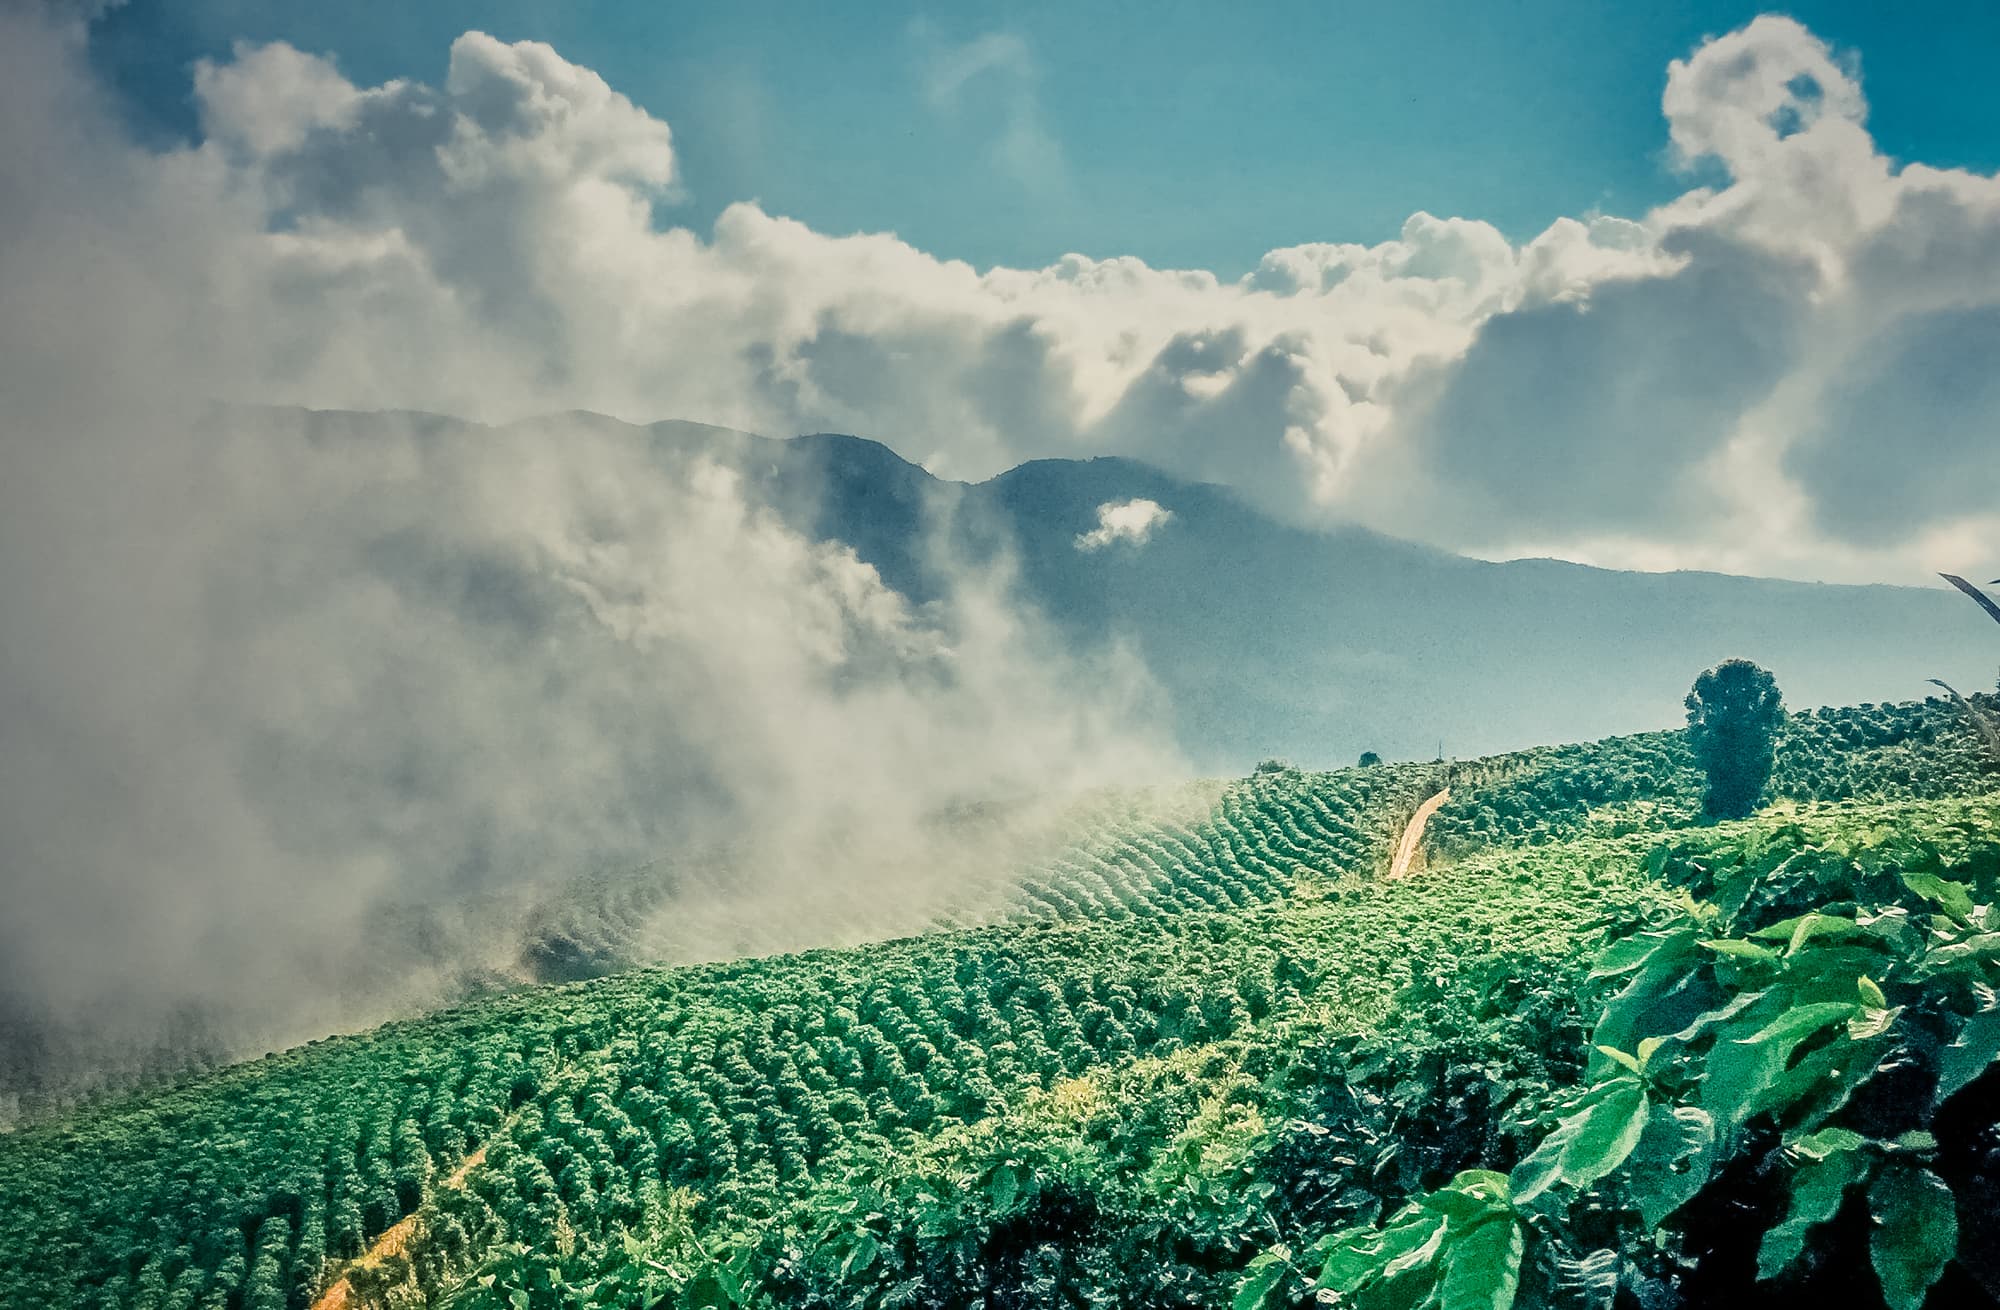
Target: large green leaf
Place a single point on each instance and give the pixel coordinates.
(1363, 1253)
(1801, 1022)
(1742, 1073)
(1816, 1087)
(1817, 1189)
(1544, 1165)
(1002, 1187)
(1266, 1272)
(1916, 1233)
(1667, 984)
(1484, 1266)
(1977, 1046)
(1708, 1019)
(1954, 898)
(1607, 1134)
(1671, 1162)
(861, 1255)
(1636, 951)
(1796, 932)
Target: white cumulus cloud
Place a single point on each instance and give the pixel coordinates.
(1133, 521)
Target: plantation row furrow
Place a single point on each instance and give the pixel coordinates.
(1261, 834)
(734, 1080)
(1159, 1182)
(746, 1083)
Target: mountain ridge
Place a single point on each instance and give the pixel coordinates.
(1273, 639)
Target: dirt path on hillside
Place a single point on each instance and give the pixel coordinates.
(395, 1240)
(1413, 835)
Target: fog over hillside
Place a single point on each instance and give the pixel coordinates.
(305, 710)
(400, 662)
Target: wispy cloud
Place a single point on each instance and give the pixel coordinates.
(996, 74)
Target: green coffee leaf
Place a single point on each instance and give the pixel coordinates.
(1002, 1188)
(1800, 1022)
(1483, 1270)
(1266, 1272)
(1362, 1253)
(1916, 1233)
(1954, 898)
(861, 1255)
(1977, 1046)
(1671, 1162)
(1607, 1134)
(1817, 1190)
(1627, 954)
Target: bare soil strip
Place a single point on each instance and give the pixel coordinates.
(1413, 835)
(394, 1240)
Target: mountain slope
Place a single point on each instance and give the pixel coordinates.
(761, 1086)
(1272, 640)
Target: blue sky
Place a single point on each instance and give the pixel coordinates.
(1191, 135)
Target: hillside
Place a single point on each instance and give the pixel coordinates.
(476, 698)
(1184, 1047)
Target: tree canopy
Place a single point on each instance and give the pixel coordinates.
(1734, 713)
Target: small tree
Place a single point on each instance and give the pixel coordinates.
(1734, 713)
(1369, 759)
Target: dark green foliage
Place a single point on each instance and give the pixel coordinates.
(1191, 1044)
(1918, 750)
(1368, 760)
(1152, 1184)
(1734, 713)
(1803, 1059)
(1454, 1078)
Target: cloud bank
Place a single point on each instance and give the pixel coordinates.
(314, 718)
(309, 715)
(1711, 383)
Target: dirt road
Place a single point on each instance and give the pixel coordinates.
(1413, 835)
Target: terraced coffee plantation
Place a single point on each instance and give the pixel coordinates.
(1175, 1064)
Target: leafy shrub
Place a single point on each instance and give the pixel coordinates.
(1755, 1068)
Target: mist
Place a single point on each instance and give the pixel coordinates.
(315, 719)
